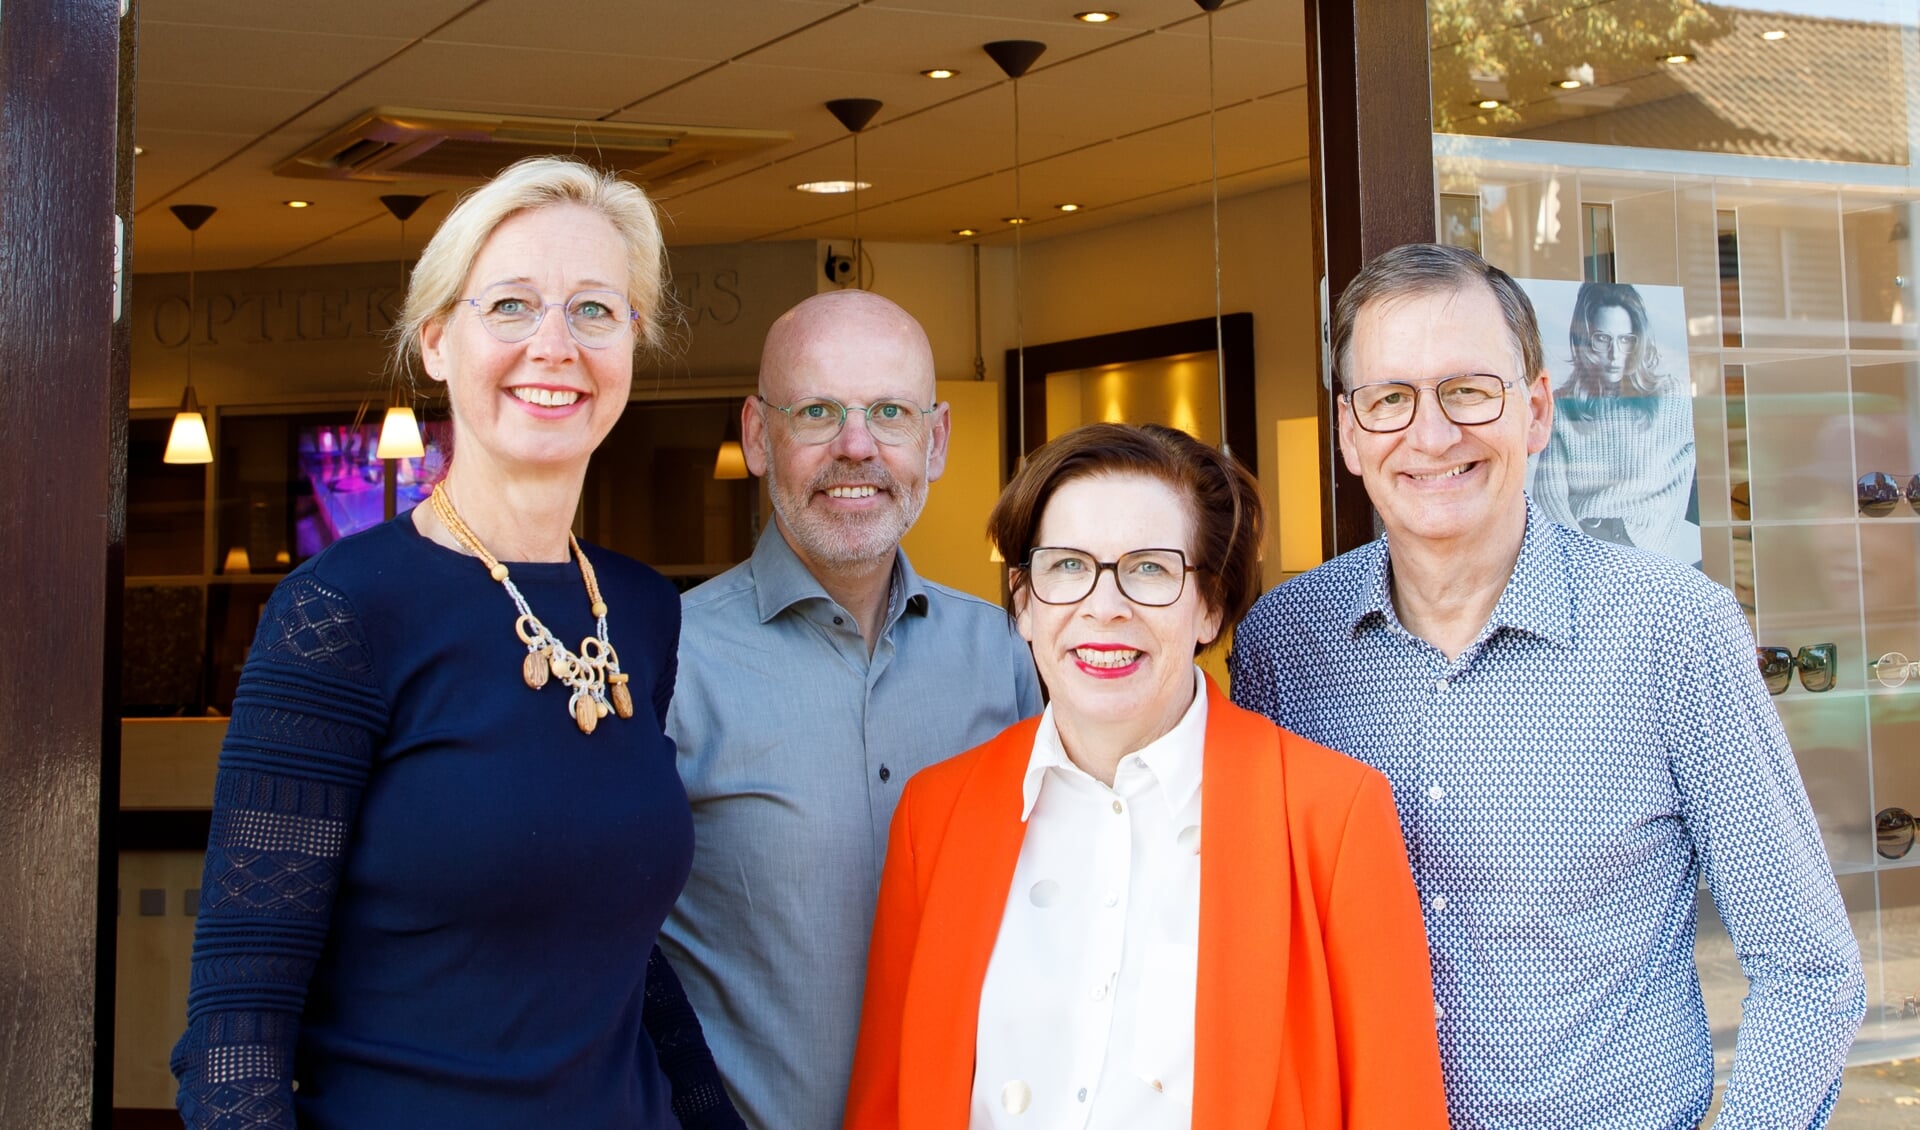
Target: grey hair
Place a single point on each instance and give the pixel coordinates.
(1418, 269)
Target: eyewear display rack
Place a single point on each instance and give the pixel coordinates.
(1803, 351)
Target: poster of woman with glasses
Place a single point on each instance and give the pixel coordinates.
(1620, 462)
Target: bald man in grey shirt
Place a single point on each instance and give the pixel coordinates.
(815, 678)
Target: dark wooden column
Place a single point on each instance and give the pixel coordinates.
(1371, 129)
(61, 408)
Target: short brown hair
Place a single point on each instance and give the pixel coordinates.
(1414, 270)
(1224, 499)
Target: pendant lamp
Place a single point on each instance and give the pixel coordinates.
(187, 442)
(400, 430)
(1213, 179)
(1015, 57)
(731, 461)
(854, 114)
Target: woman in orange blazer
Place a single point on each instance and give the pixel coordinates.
(1052, 947)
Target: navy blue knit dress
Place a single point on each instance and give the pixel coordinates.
(430, 900)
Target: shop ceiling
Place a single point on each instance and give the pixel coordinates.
(1113, 116)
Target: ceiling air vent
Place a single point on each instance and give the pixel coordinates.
(391, 144)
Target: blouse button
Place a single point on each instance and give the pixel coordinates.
(1082, 1095)
(1436, 792)
(886, 774)
(1016, 1096)
(1116, 808)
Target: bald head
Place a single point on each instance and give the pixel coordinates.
(842, 331)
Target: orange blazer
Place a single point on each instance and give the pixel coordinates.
(1314, 1003)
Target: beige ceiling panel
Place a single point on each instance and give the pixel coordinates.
(214, 109)
(459, 75)
(410, 19)
(1265, 21)
(671, 28)
(1139, 14)
(234, 56)
(881, 41)
(760, 96)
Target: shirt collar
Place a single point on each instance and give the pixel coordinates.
(781, 580)
(1174, 758)
(1538, 599)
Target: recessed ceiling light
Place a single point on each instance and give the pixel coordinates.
(1569, 84)
(298, 203)
(1014, 221)
(940, 72)
(1773, 36)
(1489, 103)
(1096, 17)
(1068, 207)
(1677, 57)
(966, 231)
(831, 187)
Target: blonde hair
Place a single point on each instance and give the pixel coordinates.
(525, 185)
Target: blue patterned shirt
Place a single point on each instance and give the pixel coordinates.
(1563, 785)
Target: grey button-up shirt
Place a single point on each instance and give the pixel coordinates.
(794, 745)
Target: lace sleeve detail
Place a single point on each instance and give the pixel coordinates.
(700, 1099)
(306, 719)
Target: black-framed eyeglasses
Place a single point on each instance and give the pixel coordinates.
(1893, 832)
(818, 419)
(1154, 578)
(512, 312)
(1816, 662)
(1879, 493)
(1466, 398)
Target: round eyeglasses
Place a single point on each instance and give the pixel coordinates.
(1468, 399)
(818, 419)
(1879, 493)
(1893, 669)
(513, 312)
(1151, 577)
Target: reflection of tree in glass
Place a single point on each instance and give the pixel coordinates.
(1513, 51)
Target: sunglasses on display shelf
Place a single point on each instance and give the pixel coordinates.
(1893, 833)
(1879, 493)
(1815, 662)
(1742, 495)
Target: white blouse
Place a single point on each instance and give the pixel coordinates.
(1086, 1014)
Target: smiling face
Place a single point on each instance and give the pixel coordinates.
(1606, 330)
(543, 404)
(1438, 484)
(845, 505)
(1120, 674)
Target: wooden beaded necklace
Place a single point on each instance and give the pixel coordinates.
(593, 674)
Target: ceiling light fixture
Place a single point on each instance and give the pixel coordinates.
(298, 203)
(1213, 180)
(1489, 103)
(138, 150)
(855, 114)
(831, 187)
(1015, 57)
(964, 232)
(1773, 36)
(1677, 57)
(940, 72)
(1068, 207)
(1096, 17)
(1569, 84)
(187, 441)
(400, 428)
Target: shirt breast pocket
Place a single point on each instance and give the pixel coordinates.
(1162, 1053)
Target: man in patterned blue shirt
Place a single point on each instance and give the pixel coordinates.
(1576, 734)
